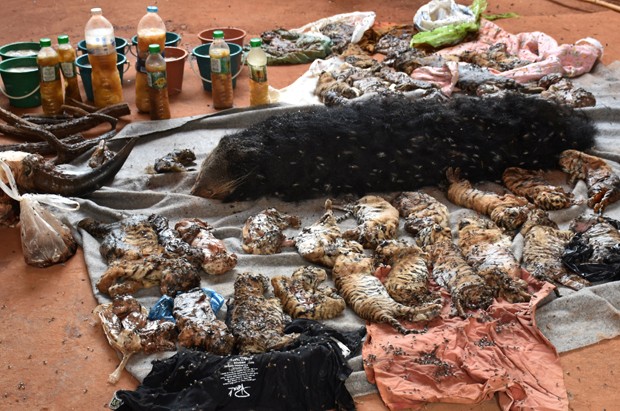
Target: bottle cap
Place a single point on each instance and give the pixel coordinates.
(63, 39)
(154, 48)
(151, 9)
(45, 42)
(218, 34)
(256, 42)
(95, 10)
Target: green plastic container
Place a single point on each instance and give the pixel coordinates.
(19, 49)
(201, 54)
(172, 39)
(20, 76)
(120, 43)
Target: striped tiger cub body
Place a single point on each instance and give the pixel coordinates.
(468, 290)
(532, 185)
(257, 322)
(507, 210)
(304, 296)
(543, 246)
(603, 184)
(407, 280)
(368, 298)
(263, 232)
(377, 220)
(322, 242)
(426, 219)
(488, 250)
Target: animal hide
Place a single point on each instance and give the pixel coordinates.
(389, 144)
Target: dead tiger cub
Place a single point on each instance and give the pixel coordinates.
(506, 210)
(603, 184)
(532, 185)
(368, 298)
(304, 296)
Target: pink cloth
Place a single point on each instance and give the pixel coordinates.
(444, 77)
(544, 53)
(466, 361)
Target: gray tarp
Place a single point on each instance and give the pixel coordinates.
(575, 320)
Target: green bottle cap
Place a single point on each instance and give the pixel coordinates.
(63, 39)
(154, 48)
(218, 34)
(256, 42)
(45, 42)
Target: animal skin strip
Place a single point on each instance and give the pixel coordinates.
(21, 127)
(39, 147)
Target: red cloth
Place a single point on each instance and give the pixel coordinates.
(468, 360)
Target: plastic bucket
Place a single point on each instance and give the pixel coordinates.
(201, 54)
(19, 49)
(175, 67)
(121, 46)
(172, 39)
(231, 35)
(20, 76)
(86, 72)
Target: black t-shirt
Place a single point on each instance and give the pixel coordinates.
(308, 375)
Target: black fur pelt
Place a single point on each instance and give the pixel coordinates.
(390, 144)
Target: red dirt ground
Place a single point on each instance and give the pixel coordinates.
(54, 356)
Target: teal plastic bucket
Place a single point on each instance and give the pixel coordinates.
(121, 46)
(172, 39)
(19, 49)
(20, 76)
(86, 72)
(201, 54)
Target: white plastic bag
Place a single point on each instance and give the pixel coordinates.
(45, 239)
(360, 20)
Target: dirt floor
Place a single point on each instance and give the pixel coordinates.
(54, 356)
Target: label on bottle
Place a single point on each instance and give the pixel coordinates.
(258, 73)
(68, 69)
(157, 79)
(49, 73)
(221, 66)
(100, 43)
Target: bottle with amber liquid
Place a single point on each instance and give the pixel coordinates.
(151, 30)
(257, 63)
(101, 46)
(52, 95)
(157, 84)
(221, 77)
(67, 66)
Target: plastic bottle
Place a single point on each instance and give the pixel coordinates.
(221, 77)
(151, 30)
(257, 63)
(52, 96)
(157, 84)
(101, 45)
(67, 65)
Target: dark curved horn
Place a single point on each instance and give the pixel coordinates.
(43, 177)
